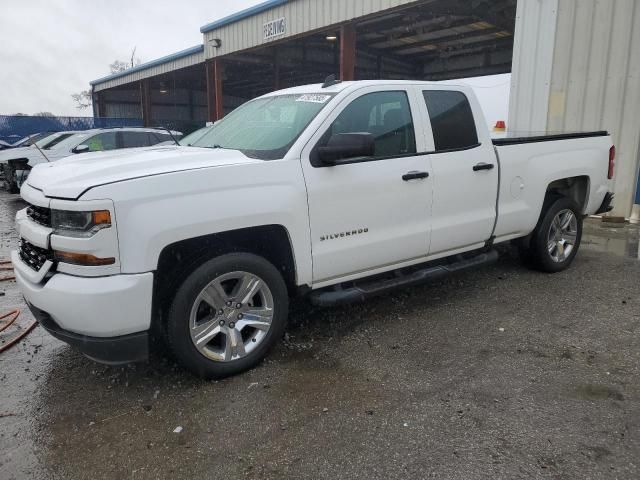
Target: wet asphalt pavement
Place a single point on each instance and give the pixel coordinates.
(495, 373)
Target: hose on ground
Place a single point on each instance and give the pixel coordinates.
(6, 269)
(12, 316)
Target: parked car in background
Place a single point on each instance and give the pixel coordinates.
(24, 141)
(30, 139)
(13, 157)
(16, 163)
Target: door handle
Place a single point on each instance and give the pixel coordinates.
(482, 166)
(413, 175)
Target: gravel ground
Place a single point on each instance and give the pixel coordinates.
(496, 373)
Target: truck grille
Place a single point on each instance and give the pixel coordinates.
(41, 215)
(34, 256)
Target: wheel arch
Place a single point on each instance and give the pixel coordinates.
(179, 259)
(576, 188)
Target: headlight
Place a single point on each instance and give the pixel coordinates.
(79, 224)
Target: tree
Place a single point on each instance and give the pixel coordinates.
(43, 114)
(118, 66)
(83, 99)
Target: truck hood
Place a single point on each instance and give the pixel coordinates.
(71, 176)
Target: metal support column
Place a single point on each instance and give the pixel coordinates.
(347, 52)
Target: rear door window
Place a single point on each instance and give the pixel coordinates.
(135, 139)
(162, 137)
(451, 118)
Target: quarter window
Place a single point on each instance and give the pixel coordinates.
(451, 118)
(385, 115)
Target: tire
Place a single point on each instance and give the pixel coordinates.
(20, 176)
(12, 187)
(215, 339)
(10, 183)
(555, 241)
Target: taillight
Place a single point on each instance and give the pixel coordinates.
(612, 158)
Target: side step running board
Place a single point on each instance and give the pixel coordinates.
(363, 291)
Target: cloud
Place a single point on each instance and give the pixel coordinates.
(53, 49)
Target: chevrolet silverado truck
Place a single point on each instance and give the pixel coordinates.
(336, 191)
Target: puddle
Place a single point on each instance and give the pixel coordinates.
(623, 241)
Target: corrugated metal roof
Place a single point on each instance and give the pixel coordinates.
(247, 12)
(154, 63)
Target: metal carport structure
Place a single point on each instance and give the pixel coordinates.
(359, 39)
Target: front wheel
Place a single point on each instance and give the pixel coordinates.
(10, 183)
(555, 241)
(227, 315)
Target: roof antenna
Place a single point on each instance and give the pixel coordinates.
(175, 140)
(330, 80)
(41, 152)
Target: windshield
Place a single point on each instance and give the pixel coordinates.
(56, 141)
(44, 141)
(27, 141)
(265, 128)
(193, 136)
(75, 139)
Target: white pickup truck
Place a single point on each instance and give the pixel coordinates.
(337, 191)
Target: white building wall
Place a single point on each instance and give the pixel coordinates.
(590, 80)
(534, 37)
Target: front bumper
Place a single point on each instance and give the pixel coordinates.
(112, 350)
(96, 314)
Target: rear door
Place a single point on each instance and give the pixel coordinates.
(364, 215)
(465, 172)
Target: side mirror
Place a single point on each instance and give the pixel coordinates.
(81, 149)
(345, 146)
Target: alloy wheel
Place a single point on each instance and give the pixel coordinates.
(231, 316)
(563, 233)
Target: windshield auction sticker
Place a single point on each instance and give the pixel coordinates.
(313, 98)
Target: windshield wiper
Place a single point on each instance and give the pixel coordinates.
(215, 145)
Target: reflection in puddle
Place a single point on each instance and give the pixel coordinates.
(623, 242)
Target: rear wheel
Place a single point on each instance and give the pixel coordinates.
(555, 241)
(227, 315)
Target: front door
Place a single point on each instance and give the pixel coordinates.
(373, 213)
